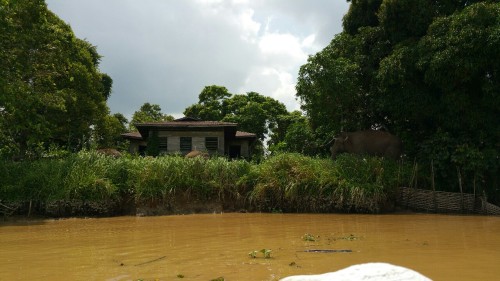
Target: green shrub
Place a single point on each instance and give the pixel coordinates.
(288, 182)
(293, 182)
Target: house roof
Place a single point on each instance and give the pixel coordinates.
(239, 135)
(132, 135)
(188, 124)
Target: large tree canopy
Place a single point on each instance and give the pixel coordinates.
(210, 104)
(149, 113)
(107, 133)
(253, 112)
(427, 71)
(51, 91)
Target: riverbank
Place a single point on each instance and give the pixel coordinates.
(185, 206)
(92, 184)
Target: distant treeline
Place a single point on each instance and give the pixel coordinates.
(283, 183)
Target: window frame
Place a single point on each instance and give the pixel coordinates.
(185, 144)
(212, 144)
(163, 144)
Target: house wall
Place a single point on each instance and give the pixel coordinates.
(198, 139)
(244, 147)
(134, 146)
(198, 142)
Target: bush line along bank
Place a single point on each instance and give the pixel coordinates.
(285, 182)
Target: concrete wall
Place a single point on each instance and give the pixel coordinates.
(197, 140)
(244, 147)
(134, 146)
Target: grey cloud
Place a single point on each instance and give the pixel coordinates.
(165, 52)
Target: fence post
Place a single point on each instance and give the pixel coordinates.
(461, 191)
(434, 199)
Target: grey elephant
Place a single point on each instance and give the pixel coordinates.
(370, 142)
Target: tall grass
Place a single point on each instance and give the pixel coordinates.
(290, 182)
(163, 178)
(297, 183)
(285, 182)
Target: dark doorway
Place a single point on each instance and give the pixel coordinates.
(234, 151)
(142, 150)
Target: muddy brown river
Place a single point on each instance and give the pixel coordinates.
(205, 247)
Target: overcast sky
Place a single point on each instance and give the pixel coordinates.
(166, 51)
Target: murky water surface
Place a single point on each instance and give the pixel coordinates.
(204, 247)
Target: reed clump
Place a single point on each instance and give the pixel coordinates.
(285, 182)
(296, 183)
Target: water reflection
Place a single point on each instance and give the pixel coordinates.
(204, 247)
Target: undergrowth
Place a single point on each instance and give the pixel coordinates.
(286, 182)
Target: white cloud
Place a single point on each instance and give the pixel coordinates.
(309, 41)
(249, 27)
(282, 44)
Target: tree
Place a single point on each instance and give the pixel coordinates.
(252, 111)
(108, 133)
(210, 104)
(329, 89)
(426, 70)
(361, 13)
(149, 113)
(294, 135)
(51, 90)
(403, 20)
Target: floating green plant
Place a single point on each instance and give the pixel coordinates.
(309, 237)
(350, 237)
(265, 252)
(253, 254)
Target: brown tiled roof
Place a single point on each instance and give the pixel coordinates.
(137, 135)
(187, 124)
(132, 135)
(240, 134)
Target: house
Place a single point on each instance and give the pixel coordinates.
(186, 134)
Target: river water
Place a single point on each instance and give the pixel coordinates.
(204, 247)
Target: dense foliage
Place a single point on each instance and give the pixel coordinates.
(286, 182)
(253, 112)
(148, 113)
(428, 71)
(52, 93)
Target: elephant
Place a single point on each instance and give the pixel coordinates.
(197, 153)
(369, 142)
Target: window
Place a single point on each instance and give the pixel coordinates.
(212, 144)
(163, 144)
(186, 144)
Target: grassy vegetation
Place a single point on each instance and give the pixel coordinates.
(285, 182)
(296, 183)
